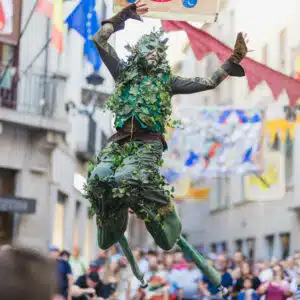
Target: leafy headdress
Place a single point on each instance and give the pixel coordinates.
(148, 43)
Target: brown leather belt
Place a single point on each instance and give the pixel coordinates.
(136, 133)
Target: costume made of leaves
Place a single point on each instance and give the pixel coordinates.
(143, 92)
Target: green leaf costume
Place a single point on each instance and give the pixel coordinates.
(127, 171)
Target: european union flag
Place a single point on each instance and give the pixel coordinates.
(84, 20)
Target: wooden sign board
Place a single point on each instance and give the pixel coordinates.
(180, 10)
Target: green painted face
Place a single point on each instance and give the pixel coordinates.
(150, 50)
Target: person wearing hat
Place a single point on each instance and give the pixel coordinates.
(88, 287)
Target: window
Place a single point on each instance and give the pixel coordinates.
(276, 144)
(206, 100)
(250, 248)
(289, 159)
(89, 239)
(8, 91)
(223, 192)
(282, 49)
(7, 188)
(285, 245)
(232, 21)
(220, 194)
(296, 66)
(265, 52)
(103, 140)
(270, 246)
(59, 221)
(230, 91)
(239, 245)
(209, 65)
(76, 225)
(295, 60)
(224, 247)
(213, 248)
(217, 95)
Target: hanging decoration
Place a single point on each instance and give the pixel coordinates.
(280, 127)
(215, 141)
(203, 44)
(270, 184)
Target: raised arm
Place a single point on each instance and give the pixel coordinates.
(106, 51)
(116, 23)
(231, 67)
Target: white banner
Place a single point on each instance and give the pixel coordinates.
(183, 10)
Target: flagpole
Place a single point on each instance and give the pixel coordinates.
(18, 43)
(46, 59)
(37, 56)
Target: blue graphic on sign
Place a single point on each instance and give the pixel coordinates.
(189, 3)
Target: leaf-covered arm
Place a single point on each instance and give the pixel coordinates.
(182, 85)
(106, 51)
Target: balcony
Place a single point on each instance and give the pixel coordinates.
(33, 100)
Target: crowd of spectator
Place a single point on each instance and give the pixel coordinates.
(171, 275)
(30, 276)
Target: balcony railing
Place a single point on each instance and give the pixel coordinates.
(31, 93)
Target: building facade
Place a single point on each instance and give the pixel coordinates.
(49, 130)
(235, 218)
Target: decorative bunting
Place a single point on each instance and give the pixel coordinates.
(270, 184)
(203, 44)
(280, 127)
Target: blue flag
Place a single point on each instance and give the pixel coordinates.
(84, 20)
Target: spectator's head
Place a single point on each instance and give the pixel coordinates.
(248, 283)
(160, 265)
(113, 250)
(28, 275)
(138, 254)
(65, 255)
(102, 254)
(152, 259)
(92, 279)
(230, 263)
(258, 268)
(221, 263)
(297, 259)
(54, 252)
(76, 252)
(238, 258)
(115, 266)
(190, 263)
(236, 273)
(169, 260)
(274, 262)
(246, 269)
(278, 272)
(178, 257)
(123, 263)
(289, 263)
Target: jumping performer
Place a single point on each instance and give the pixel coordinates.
(126, 175)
